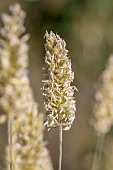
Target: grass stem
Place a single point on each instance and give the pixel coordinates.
(60, 147)
(10, 143)
(98, 152)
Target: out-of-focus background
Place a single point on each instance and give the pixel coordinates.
(87, 27)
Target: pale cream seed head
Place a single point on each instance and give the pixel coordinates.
(103, 110)
(57, 90)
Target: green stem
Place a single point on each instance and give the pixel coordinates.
(98, 152)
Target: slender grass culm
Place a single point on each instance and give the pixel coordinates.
(98, 152)
(58, 93)
(103, 111)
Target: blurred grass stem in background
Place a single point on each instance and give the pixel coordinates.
(98, 152)
(10, 165)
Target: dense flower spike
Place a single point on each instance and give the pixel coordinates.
(57, 91)
(13, 47)
(26, 150)
(104, 101)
